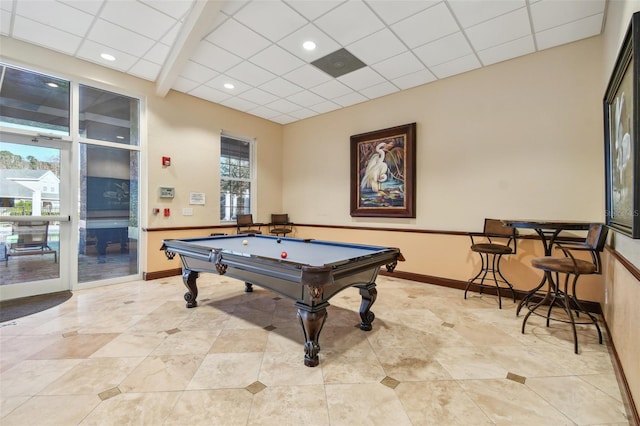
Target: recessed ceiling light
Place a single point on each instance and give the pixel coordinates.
(229, 86)
(107, 57)
(309, 45)
(52, 84)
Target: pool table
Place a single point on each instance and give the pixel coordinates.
(312, 272)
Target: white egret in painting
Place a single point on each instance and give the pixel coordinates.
(376, 171)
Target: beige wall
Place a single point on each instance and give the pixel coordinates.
(622, 290)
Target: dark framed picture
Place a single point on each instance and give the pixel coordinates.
(383, 181)
(622, 152)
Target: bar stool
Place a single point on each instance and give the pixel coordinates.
(569, 265)
(496, 240)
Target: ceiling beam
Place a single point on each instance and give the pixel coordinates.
(196, 26)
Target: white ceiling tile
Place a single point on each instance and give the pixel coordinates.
(283, 106)
(89, 6)
(307, 76)
(324, 43)
(129, 15)
(49, 37)
(214, 57)
(404, 63)
(121, 39)
(219, 82)
(349, 22)
(56, 15)
(184, 84)
(350, 99)
(443, 50)
(230, 7)
(548, 14)
(5, 22)
(303, 113)
(198, 73)
(500, 30)
(146, 70)
(171, 35)
(158, 53)
(472, 12)
(314, 8)
(284, 119)
(281, 87)
(305, 98)
(238, 39)
(264, 112)
(393, 11)
(210, 94)
(426, 26)
(250, 74)
(377, 47)
(276, 60)
(91, 52)
(175, 8)
(239, 104)
(379, 90)
(414, 79)
(258, 96)
(331, 89)
(273, 20)
(457, 66)
(567, 33)
(6, 6)
(512, 49)
(325, 106)
(359, 79)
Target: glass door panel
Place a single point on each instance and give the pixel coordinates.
(34, 216)
(108, 237)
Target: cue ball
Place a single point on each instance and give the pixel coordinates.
(283, 255)
(245, 242)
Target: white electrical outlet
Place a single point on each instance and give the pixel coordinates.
(187, 212)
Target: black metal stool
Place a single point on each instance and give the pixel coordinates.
(570, 266)
(497, 240)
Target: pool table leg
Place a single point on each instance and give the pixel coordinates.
(312, 319)
(189, 279)
(369, 295)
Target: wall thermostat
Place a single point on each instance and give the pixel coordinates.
(167, 192)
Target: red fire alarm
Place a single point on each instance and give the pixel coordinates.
(166, 161)
(167, 212)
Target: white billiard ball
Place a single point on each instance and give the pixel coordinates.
(245, 242)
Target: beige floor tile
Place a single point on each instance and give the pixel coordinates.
(411, 366)
(290, 405)
(365, 404)
(240, 340)
(506, 402)
(191, 342)
(440, 403)
(52, 411)
(131, 345)
(226, 370)
(580, 401)
(287, 368)
(229, 407)
(162, 373)
(134, 409)
(29, 377)
(74, 346)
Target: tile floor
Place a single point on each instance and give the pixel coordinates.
(132, 354)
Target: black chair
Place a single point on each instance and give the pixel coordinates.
(496, 240)
(280, 224)
(246, 225)
(570, 265)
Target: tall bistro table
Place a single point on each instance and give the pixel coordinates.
(548, 230)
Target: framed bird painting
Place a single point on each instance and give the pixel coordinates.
(383, 182)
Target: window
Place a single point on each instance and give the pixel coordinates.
(107, 116)
(33, 101)
(236, 176)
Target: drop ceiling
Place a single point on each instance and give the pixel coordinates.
(197, 46)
